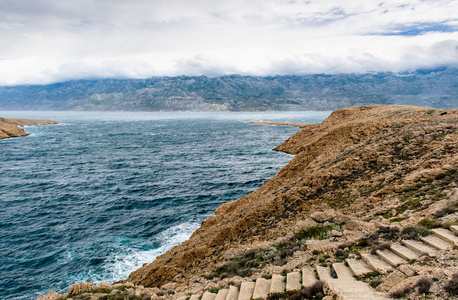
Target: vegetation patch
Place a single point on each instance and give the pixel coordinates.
(430, 223)
(314, 292)
(451, 286)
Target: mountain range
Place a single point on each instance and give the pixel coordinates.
(432, 88)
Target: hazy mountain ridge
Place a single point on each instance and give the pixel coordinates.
(239, 93)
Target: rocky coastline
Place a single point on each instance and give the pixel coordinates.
(300, 125)
(10, 127)
(365, 180)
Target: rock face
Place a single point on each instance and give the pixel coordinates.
(359, 162)
(10, 127)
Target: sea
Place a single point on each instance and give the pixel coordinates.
(102, 193)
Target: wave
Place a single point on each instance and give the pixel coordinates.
(120, 265)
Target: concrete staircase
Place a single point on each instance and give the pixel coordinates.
(344, 285)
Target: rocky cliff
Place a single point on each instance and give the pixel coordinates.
(10, 127)
(364, 162)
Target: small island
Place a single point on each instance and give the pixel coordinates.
(10, 127)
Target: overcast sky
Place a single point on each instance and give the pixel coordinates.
(46, 41)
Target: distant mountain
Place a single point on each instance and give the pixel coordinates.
(438, 88)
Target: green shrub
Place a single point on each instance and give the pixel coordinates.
(430, 223)
(375, 283)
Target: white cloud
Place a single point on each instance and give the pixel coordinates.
(53, 40)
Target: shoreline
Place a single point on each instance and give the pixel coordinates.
(300, 125)
(9, 127)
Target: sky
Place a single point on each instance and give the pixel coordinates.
(48, 41)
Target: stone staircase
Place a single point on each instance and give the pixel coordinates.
(344, 284)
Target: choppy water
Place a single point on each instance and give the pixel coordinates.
(100, 194)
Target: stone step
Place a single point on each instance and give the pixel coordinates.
(222, 294)
(278, 284)
(233, 293)
(195, 297)
(261, 289)
(342, 271)
(358, 267)
(351, 289)
(436, 242)
(376, 263)
(404, 252)
(391, 257)
(446, 235)
(324, 274)
(454, 229)
(308, 276)
(209, 296)
(246, 290)
(293, 281)
(419, 247)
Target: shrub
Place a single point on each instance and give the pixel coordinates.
(375, 283)
(316, 252)
(400, 293)
(451, 286)
(413, 232)
(389, 233)
(384, 246)
(423, 285)
(430, 223)
(340, 254)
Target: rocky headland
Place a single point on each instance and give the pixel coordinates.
(364, 182)
(10, 127)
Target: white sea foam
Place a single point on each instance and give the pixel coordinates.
(124, 263)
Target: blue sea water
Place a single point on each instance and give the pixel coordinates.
(98, 195)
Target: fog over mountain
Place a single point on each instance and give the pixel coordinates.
(433, 88)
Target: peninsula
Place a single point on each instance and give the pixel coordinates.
(10, 127)
(366, 209)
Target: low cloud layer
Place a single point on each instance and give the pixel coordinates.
(45, 41)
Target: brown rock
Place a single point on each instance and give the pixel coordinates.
(407, 270)
(307, 223)
(392, 280)
(359, 225)
(50, 296)
(407, 285)
(169, 286)
(322, 216)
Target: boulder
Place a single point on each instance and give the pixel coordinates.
(393, 279)
(359, 225)
(304, 224)
(321, 216)
(80, 287)
(329, 215)
(408, 285)
(169, 286)
(104, 285)
(50, 296)
(407, 270)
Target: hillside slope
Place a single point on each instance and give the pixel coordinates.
(363, 161)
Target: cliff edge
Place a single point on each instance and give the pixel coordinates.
(10, 127)
(363, 162)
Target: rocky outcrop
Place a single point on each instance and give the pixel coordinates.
(362, 162)
(10, 127)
